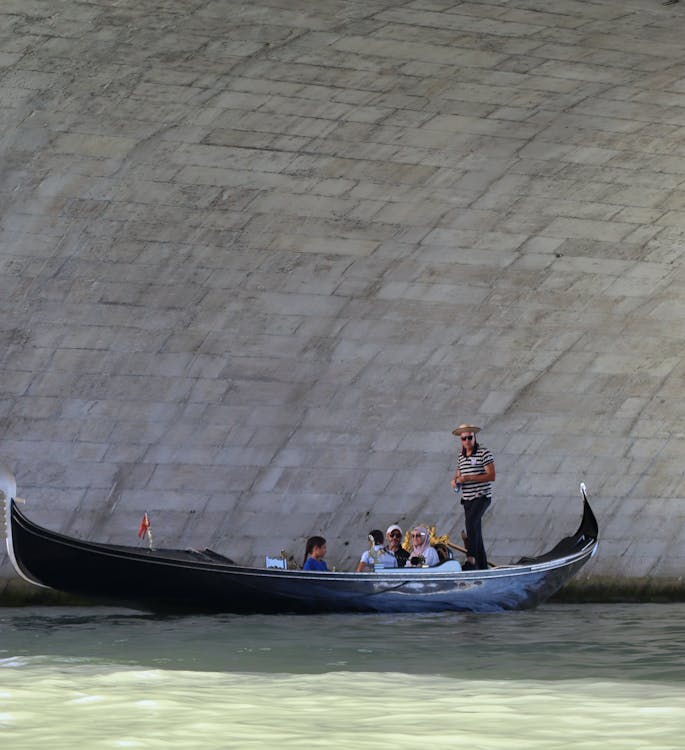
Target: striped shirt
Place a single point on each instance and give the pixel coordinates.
(475, 464)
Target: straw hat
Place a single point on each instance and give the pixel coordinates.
(465, 428)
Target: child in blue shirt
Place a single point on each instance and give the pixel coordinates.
(314, 553)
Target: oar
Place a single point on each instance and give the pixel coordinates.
(457, 547)
(466, 552)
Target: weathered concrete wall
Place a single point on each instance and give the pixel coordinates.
(257, 260)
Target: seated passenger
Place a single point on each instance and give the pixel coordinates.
(393, 545)
(377, 555)
(422, 553)
(314, 554)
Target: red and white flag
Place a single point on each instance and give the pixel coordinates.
(144, 526)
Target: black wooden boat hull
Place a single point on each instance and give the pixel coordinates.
(177, 581)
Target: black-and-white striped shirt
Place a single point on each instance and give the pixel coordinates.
(475, 464)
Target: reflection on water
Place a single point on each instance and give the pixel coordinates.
(587, 676)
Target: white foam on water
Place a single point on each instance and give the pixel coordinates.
(122, 707)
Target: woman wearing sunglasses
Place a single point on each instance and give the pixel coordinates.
(421, 552)
(474, 475)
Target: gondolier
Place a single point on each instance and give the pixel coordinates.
(474, 475)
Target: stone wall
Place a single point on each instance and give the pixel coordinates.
(256, 262)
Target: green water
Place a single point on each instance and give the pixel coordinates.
(609, 676)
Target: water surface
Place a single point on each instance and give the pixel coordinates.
(586, 676)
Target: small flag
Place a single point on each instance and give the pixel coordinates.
(144, 526)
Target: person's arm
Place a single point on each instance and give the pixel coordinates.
(487, 476)
(457, 478)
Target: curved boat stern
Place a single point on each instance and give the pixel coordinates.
(8, 496)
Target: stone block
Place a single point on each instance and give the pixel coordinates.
(201, 478)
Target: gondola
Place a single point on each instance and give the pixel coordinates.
(187, 581)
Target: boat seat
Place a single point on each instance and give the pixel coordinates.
(453, 566)
(276, 562)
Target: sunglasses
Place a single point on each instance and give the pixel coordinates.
(395, 533)
(467, 437)
(417, 536)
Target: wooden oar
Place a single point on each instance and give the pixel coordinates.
(465, 551)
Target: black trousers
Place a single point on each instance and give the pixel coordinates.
(473, 513)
